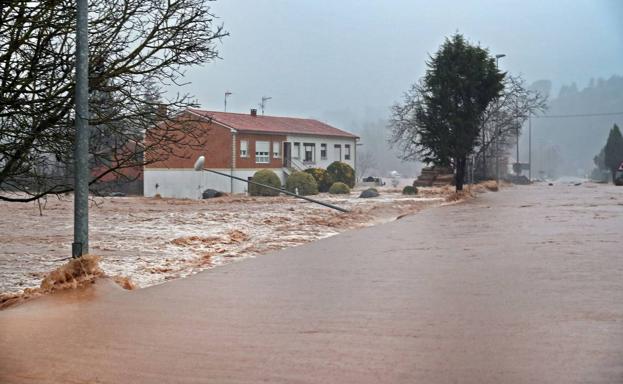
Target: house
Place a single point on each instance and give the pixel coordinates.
(241, 144)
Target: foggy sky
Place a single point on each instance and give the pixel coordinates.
(325, 58)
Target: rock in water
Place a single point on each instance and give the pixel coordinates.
(370, 192)
(210, 193)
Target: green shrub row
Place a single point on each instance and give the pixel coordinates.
(339, 177)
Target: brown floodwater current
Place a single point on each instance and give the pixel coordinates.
(520, 286)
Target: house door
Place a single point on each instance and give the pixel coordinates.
(287, 154)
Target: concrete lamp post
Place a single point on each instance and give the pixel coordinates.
(200, 166)
(80, 245)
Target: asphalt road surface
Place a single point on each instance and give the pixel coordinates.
(520, 286)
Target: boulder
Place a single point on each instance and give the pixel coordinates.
(211, 193)
(519, 180)
(368, 193)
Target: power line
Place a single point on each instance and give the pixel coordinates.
(577, 115)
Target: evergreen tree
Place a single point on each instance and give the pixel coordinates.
(440, 119)
(614, 150)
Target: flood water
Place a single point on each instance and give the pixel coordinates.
(519, 286)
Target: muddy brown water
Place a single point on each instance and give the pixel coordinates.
(520, 286)
(152, 240)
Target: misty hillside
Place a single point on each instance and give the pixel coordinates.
(567, 145)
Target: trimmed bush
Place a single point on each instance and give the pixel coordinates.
(409, 190)
(268, 177)
(304, 182)
(342, 172)
(322, 177)
(339, 188)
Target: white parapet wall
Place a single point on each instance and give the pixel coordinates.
(190, 184)
(332, 154)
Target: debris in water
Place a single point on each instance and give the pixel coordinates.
(73, 274)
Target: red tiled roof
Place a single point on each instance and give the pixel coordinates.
(273, 124)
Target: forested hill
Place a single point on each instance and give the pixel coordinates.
(567, 145)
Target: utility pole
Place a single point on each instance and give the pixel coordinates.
(497, 155)
(530, 147)
(517, 158)
(263, 103)
(484, 156)
(227, 93)
(80, 246)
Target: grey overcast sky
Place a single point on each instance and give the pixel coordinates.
(317, 57)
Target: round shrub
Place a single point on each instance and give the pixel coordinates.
(267, 177)
(322, 177)
(339, 188)
(304, 182)
(409, 190)
(342, 172)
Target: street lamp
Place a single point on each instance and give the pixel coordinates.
(497, 138)
(227, 94)
(498, 57)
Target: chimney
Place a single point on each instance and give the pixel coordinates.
(253, 112)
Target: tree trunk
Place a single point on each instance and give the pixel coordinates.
(460, 173)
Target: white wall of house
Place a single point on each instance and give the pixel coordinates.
(189, 184)
(332, 156)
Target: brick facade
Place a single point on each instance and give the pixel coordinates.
(217, 148)
(249, 162)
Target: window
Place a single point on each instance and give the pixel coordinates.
(297, 151)
(346, 151)
(244, 148)
(337, 149)
(276, 149)
(310, 152)
(262, 152)
(323, 151)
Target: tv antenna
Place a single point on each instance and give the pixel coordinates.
(263, 103)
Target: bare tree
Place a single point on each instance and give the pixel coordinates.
(365, 161)
(502, 122)
(137, 47)
(500, 125)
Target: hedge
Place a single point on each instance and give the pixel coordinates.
(342, 172)
(268, 177)
(339, 188)
(409, 190)
(322, 177)
(303, 182)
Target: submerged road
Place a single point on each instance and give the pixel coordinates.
(520, 286)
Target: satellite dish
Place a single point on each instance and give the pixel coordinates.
(199, 163)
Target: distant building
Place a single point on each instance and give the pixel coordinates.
(241, 144)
